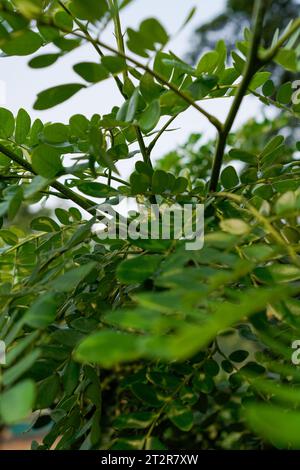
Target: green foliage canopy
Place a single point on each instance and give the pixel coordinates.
(132, 344)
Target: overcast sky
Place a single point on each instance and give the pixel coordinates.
(22, 83)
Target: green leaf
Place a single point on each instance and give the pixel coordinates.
(139, 420)
(97, 348)
(237, 154)
(132, 106)
(235, 226)
(150, 117)
(13, 196)
(239, 356)
(10, 238)
(211, 368)
(264, 191)
(238, 63)
(140, 183)
(96, 189)
(204, 384)
(56, 133)
(153, 30)
(229, 177)
(181, 417)
(202, 86)
(278, 273)
(159, 181)
(193, 338)
(259, 79)
(90, 10)
(7, 123)
(286, 203)
(63, 20)
(91, 71)
(149, 89)
(189, 17)
(22, 43)
(17, 403)
(180, 185)
(44, 224)
(146, 394)
(46, 161)
(284, 94)
(63, 216)
(207, 63)
(79, 125)
(42, 312)
(82, 234)
(114, 64)
(227, 366)
(287, 58)
(23, 124)
(138, 269)
(44, 60)
(277, 425)
(29, 8)
(163, 69)
(47, 391)
(145, 168)
(56, 95)
(12, 374)
(271, 146)
(70, 280)
(20, 347)
(150, 33)
(71, 377)
(268, 88)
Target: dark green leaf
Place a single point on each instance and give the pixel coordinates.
(17, 403)
(46, 161)
(23, 124)
(7, 123)
(42, 312)
(138, 269)
(22, 43)
(56, 95)
(91, 71)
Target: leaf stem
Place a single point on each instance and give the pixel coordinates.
(114, 178)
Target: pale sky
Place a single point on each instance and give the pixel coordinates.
(22, 83)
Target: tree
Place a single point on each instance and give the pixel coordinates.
(140, 343)
(229, 24)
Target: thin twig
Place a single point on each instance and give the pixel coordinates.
(160, 133)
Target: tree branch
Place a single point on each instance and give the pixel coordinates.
(252, 66)
(121, 48)
(82, 202)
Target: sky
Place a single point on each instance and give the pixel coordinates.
(22, 83)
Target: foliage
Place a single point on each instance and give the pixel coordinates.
(132, 344)
(229, 24)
